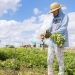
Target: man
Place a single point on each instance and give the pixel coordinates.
(42, 36)
(33, 44)
(42, 44)
(59, 24)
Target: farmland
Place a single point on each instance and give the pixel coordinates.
(22, 61)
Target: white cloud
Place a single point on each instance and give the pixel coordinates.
(64, 8)
(45, 23)
(36, 11)
(6, 5)
(13, 32)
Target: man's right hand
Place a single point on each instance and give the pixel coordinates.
(45, 35)
(47, 30)
(48, 34)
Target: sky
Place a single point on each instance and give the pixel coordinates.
(24, 20)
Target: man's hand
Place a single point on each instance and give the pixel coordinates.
(45, 35)
(48, 34)
(47, 30)
(42, 36)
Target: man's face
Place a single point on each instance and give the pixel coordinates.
(55, 13)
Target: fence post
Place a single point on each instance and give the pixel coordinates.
(14, 60)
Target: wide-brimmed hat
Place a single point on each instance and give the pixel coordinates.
(54, 6)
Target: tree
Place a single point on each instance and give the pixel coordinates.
(11, 46)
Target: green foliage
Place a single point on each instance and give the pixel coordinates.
(3, 55)
(58, 39)
(32, 58)
(35, 58)
(10, 63)
(29, 73)
(70, 63)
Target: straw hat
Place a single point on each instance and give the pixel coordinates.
(54, 6)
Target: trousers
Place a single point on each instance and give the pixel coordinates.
(59, 52)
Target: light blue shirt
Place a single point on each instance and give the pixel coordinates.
(33, 42)
(42, 43)
(61, 23)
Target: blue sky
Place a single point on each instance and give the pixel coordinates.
(26, 10)
(24, 20)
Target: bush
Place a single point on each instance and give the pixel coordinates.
(11, 46)
(12, 64)
(35, 59)
(3, 55)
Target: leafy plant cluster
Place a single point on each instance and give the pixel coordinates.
(33, 58)
(58, 39)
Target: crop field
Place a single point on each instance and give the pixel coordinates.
(22, 61)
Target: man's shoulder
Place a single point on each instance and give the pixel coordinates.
(66, 16)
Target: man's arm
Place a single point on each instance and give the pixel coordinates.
(48, 31)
